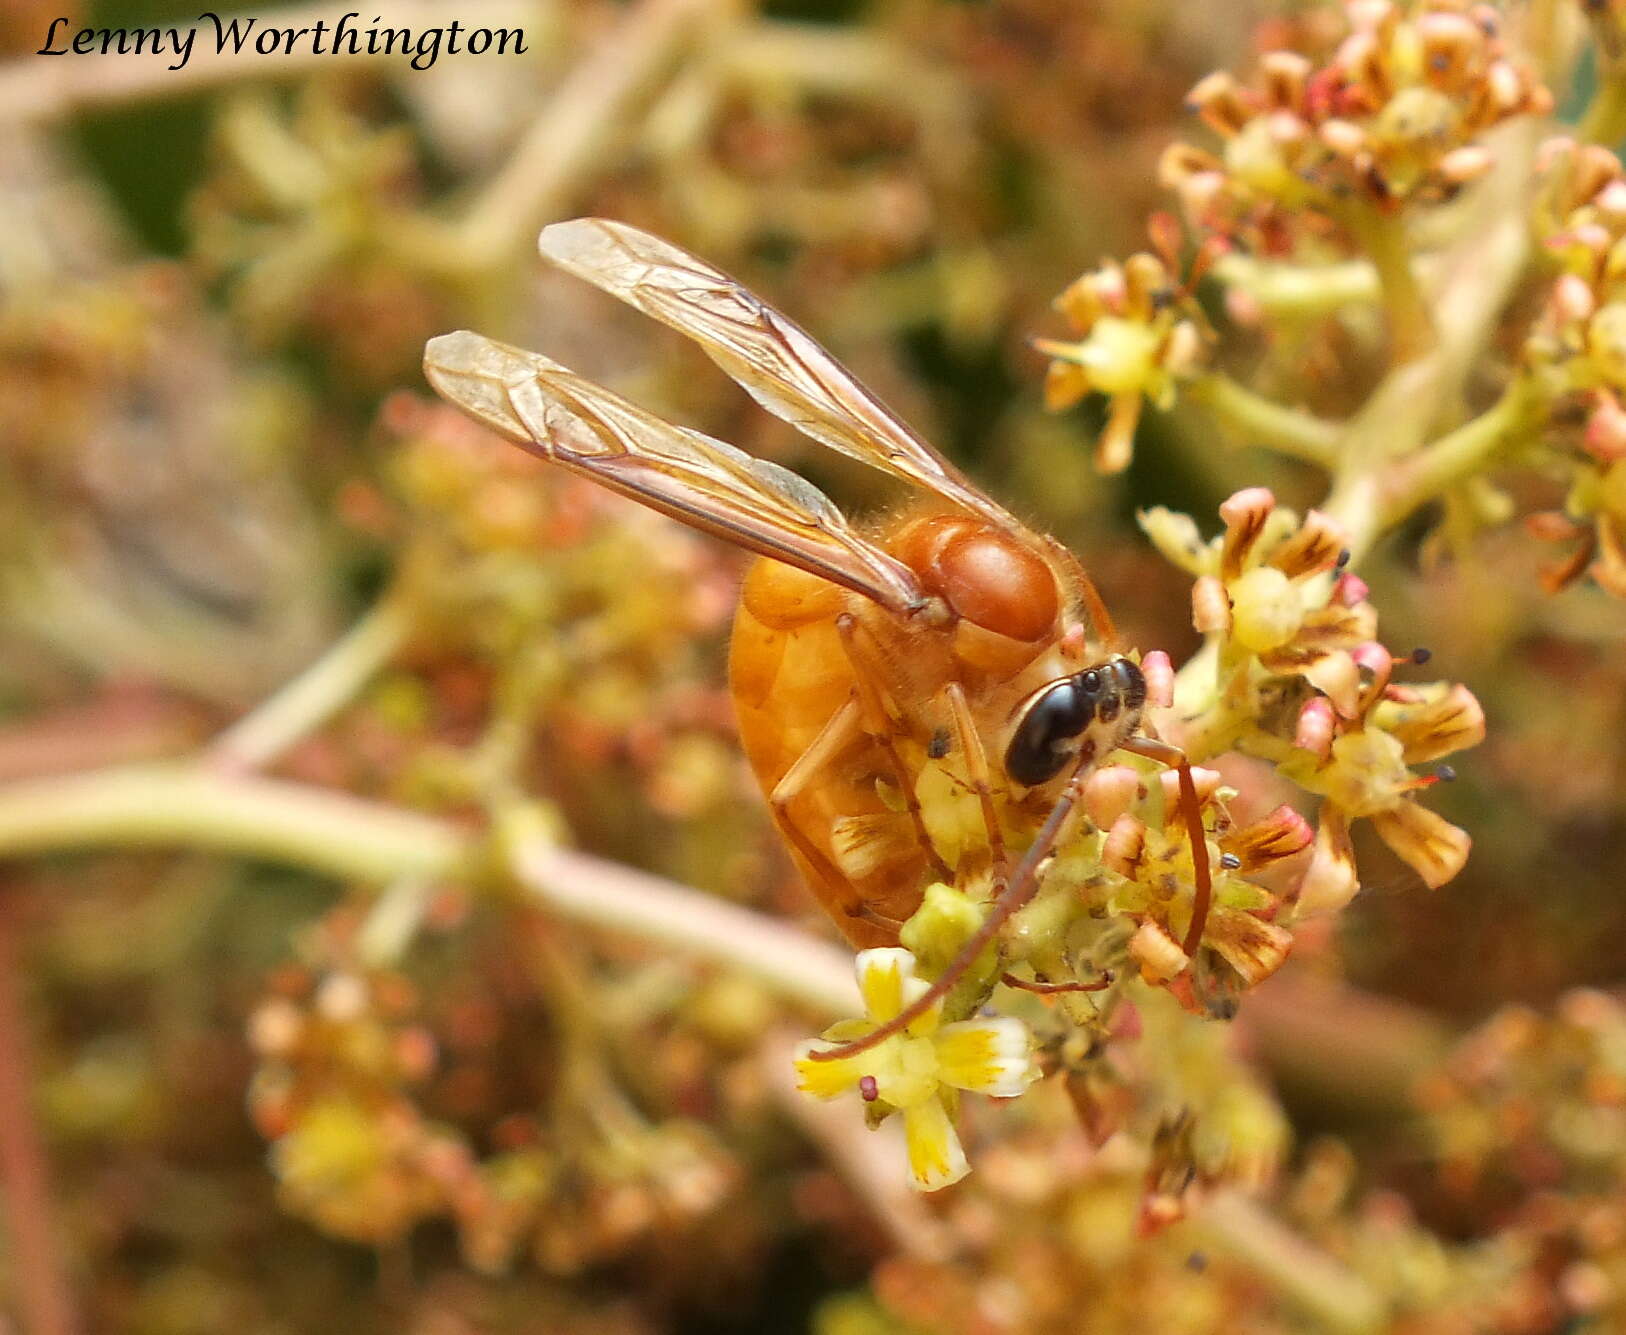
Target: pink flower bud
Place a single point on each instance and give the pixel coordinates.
(1552, 150)
(1125, 847)
(1350, 590)
(1158, 670)
(1157, 953)
(1344, 138)
(1109, 793)
(1572, 299)
(1315, 727)
(1243, 308)
(1205, 781)
(1210, 606)
(1376, 663)
(1605, 438)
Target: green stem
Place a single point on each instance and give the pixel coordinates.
(1313, 1281)
(572, 140)
(1383, 237)
(1286, 290)
(1383, 491)
(338, 835)
(1257, 420)
(320, 691)
(162, 805)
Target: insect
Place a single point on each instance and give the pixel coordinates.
(949, 643)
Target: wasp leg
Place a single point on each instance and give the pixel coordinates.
(976, 764)
(1191, 809)
(843, 728)
(1024, 885)
(867, 680)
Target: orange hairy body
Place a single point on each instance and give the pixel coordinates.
(858, 697)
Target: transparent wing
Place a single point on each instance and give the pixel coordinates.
(758, 505)
(773, 358)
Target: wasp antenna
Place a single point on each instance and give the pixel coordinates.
(1100, 618)
(1191, 809)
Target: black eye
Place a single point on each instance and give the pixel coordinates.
(1089, 682)
(1038, 750)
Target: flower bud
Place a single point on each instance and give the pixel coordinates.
(1159, 956)
(1109, 793)
(1210, 606)
(1125, 846)
(1315, 727)
(1158, 670)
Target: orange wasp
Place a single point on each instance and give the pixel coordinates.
(948, 636)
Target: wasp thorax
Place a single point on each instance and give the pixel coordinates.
(1075, 719)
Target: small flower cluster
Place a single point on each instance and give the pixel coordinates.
(1395, 116)
(919, 1071)
(297, 221)
(543, 597)
(368, 1091)
(1578, 348)
(1139, 336)
(1527, 1122)
(1301, 680)
(1145, 855)
(351, 1150)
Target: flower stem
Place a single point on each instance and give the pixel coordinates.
(1286, 290)
(343, 836)
(1257, 420)
(160, 805)
(1313, 1281)
(320, 691)
(1371, 499)
(1383, 237)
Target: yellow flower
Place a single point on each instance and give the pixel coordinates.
(1258, 585)
(916, 1072)
(1139, 337)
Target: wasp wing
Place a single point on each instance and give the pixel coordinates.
(555, 413)
(774, 359)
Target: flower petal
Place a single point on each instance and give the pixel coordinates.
(936, 1159)
(1279, 835)
(826, 1079)
(1314, 547)
(1177, 537)
(990, 1057)
(883, 978)
(1433, 847)
(1452, 722)
(1330, 881)
(1244, 514)
(1254, 948)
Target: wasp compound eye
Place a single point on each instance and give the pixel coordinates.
(1055, 717)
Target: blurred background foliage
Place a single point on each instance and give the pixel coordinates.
(217, 457)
